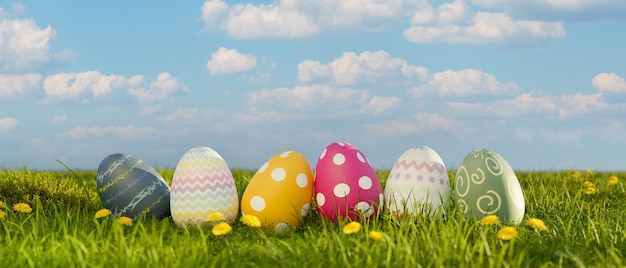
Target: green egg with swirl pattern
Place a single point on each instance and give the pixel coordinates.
(485, 184)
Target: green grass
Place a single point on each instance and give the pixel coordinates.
(583, 230)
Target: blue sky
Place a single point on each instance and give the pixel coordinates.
(541, 82)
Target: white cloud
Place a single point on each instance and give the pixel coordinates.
(312, 98)
(609, 82)
(165, 86)
(7, 124)
(452, 23)
(14, 85)
(262, 117)
(74, 85)
(124, 132)
(525, 104)
(205, 120)
(150, 109)
(59, 119)
(227, 61)
(24, 45)
(322, 99)
(432, 121)
(249, 21)
(295, 19)
(380, 105)
(367, 67)
(182, 114)
(554, 5)
(464, 83)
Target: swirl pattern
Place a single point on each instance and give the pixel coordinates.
(478, 177)
(494, 166)
(462, 182)
(489, 203)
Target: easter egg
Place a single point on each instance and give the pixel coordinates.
(346, 185)
(280, 192)
(202, 185)
(485, 184)
(130, 187)
(418, 184)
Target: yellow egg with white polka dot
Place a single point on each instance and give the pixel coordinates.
(280, 192)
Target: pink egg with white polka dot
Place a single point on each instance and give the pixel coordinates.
(346, 185)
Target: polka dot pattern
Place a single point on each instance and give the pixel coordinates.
(304, 211)
(302, 180)
(339, 159)
(364, 208)
(279, 174)
(283, 184)
(321, 199)
(346, 186)
(341, 190)
(360, 157)
(323, 154)
(365, 183)
(263, 167)
(257, 203)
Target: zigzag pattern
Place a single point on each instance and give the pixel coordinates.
(205, 212)
(417, 167)
(183, 193)
(194, 163)
(202, 184)
(202, 177)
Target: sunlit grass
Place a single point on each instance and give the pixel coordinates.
(564, 226)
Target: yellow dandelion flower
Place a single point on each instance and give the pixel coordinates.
(2, 205)
(588, 172)
(590, 190)
(352, 227)
(507, 233)
(125, 220)
(215, 216)
(613, 180)
(576, 175)
(490, 220)
(251, 221)
(102, 213)
(537, 224)
(2, 214)
(22, 207)
(375, 235)
(587, 184)
(221, 229)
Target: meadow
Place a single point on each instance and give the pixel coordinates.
(584, 212)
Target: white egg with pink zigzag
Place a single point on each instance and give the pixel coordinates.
(418, 184)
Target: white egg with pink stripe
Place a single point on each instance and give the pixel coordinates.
(418, 184)
(346, 185)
